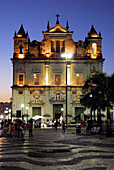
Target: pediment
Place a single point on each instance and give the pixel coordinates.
(57, 29)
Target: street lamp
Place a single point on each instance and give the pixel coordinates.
(22, 106)
(67, 56)
(62, 109)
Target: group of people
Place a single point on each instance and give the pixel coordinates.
(17, 129)
(62, 124)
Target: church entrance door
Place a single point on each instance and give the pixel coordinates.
(57, 110)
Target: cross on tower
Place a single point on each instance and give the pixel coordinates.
(57, 22)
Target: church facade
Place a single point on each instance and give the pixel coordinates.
(44, 72)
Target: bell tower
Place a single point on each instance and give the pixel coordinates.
(93, 44)
(21, 43)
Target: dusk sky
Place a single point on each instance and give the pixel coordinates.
(34, 15)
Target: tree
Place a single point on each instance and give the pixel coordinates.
(93, 93)
(98, 93)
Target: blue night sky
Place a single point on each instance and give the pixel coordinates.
(34, 15)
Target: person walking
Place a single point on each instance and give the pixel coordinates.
(30, 128)
(63, 126)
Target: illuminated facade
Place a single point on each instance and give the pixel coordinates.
(39, 71)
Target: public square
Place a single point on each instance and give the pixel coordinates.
(53, 150)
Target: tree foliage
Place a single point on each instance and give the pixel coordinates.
(98, 91)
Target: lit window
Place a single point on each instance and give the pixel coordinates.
(94, 50)
(21, 55)
(57, 79)
(31, 92)
(21, 81)
(78, 79)
(36, 79)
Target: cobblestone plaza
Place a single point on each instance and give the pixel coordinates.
(50, 149)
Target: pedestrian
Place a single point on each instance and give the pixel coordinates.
(20, 130)
(16, 130)
(56, 124)
(30, 128)
(12, 131)
(8, 131)
(63, 126)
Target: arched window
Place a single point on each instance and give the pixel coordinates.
(94, 51)
(20, 49)
(94, 48)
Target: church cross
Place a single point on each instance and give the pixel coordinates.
(57, 22)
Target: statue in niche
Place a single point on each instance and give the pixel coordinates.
(36, 98)
(57, 96)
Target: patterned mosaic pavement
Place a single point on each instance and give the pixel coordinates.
(55, 150)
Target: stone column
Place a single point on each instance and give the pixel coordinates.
(47, 73)
(68, 72)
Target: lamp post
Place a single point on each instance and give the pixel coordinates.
(22, 106)
(67, 56)
(62, 109)
(91, 107)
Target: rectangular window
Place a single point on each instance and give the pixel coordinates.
(57, 79)
(57, 46)
(36, 79)
(52, 46)
(18, 113)
(78, 79)
(21, 79)
(20, 92)
(62, 46)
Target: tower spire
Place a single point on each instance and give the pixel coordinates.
(48, 27)
(67, 26)
(57, 22)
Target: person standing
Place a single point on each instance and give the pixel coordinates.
(56, 124)
(63, 126)
(30, 128)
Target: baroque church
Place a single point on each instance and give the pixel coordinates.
(48, 76)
